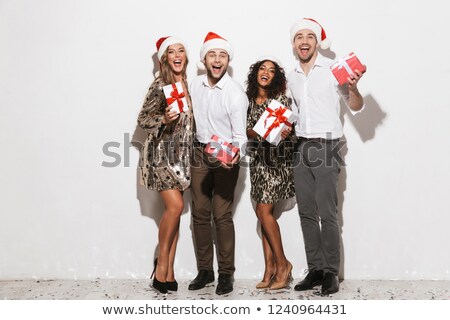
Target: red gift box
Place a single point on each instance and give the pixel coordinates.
(344, 68)
(221, 150)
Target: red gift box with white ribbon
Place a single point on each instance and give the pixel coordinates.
(344, 68)
(221, 150)
(274, 119)
(175, 97)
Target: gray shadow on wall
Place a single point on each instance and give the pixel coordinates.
(155, 63)
(341, 187)
(240, 185)
(328, 54)
(150, 202)
(366, 124)
(367, 121)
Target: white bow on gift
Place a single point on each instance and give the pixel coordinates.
(342, 63)
(220, 144)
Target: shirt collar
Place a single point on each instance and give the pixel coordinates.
(219, 84)
(319, 63)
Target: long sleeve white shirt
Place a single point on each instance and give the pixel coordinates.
(220, 110)
(317, 100)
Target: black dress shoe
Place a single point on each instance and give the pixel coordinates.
(160, 286)
(172, 285)
(225, 284)
(202, 279)
(330, 284)
(314, 278)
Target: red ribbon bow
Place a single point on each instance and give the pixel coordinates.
(176, 96)
(279, 119)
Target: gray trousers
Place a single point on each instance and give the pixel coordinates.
(316, 171)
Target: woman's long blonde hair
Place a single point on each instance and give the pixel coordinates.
(166, 73)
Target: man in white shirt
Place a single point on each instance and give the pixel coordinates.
(220, 108)
(316, 96)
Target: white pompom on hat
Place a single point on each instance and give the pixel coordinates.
(314, 26)
(271, 58)
(214, 41)
(163, 43)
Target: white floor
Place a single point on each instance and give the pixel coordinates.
(243, 289)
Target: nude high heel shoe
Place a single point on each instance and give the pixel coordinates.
(285, 282)
(264, 284)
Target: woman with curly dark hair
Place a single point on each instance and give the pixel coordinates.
(270, 168)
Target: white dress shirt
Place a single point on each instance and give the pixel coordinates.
(220, 110)
(316, 100)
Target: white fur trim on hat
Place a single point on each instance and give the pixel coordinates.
(201, 66)
(216, 44)
(214, 41)
(271, 58)
(314, 26)
(167, 42)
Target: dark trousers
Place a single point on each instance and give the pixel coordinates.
(212, 190)
(316, 170)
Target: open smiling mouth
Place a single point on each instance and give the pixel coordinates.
(304, 50)
(177, 63)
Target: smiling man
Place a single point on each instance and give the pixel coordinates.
(317, 96)
(220, 108)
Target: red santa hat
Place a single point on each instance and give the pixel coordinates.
(314, 26)
(214, 41)
(163, 43)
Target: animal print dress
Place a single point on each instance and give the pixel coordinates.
(271, 173)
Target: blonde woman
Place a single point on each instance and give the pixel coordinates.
(166, 154)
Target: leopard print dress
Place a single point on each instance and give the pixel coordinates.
(271, 172)
(165, 160)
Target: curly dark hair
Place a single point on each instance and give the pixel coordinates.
(276, 87)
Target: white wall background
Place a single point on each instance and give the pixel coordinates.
(73, 76)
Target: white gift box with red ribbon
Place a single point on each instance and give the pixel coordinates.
(221, 150)
(175, 97)
(274, 119)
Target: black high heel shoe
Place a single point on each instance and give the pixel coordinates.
(172, 285)
(155, 263)
(158, 285)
